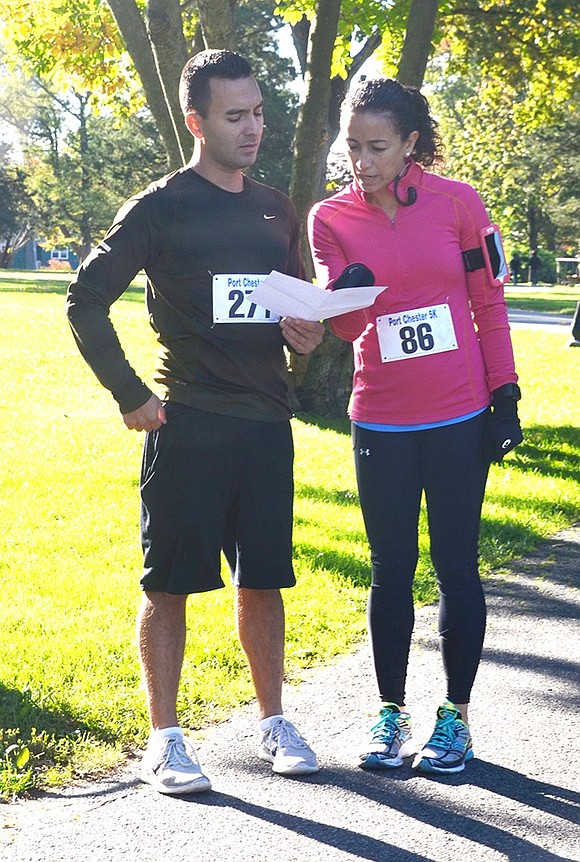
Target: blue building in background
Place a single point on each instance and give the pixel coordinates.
(32, 255)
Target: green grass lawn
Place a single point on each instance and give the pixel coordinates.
(557, 299)
(70, 698)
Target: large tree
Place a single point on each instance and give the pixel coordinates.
(78, 165)
(505, 87)
(17, 211)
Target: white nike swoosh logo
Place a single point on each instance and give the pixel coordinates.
(269, 216)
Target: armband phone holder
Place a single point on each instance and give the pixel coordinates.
(489, 256)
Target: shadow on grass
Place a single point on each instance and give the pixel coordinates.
(554, 561)
(327, 495)
(20, 713)
(503, 540)
(347, 566)
(337, 533)
(550, 451)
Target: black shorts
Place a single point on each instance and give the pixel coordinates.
(210, 483)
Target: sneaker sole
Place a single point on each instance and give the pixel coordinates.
(426, 766)
(298, 769)
(378, 761)
(198, 785)
(301, 769)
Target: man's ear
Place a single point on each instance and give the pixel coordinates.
(194, 121)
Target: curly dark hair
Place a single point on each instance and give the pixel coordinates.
(194, 89)
(408, 110)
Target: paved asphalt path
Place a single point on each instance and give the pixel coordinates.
(524, 319)
(519, 799)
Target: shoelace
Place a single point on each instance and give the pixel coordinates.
(444, 734)
(175, 753)
(385, 729)
(283, 733)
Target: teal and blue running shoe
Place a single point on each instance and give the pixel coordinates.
(390, 740)
(450, 745)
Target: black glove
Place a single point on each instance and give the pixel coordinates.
(503, 431)
(354, 275)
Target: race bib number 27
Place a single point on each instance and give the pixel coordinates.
(232, 300)
(417, 332)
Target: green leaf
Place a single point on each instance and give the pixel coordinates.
(22, 757)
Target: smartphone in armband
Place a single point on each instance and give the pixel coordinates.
(494, 255)
(489, 256)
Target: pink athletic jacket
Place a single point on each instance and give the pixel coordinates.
(417, 256)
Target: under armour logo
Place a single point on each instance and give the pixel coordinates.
(364, 451)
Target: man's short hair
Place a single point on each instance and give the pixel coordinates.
(194, 89)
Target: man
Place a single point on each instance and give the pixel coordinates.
(534, 267)
(515, 267)
(217, 465)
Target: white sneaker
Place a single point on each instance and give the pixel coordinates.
(286, 750)
(170, 765)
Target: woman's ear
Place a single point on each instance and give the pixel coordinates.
(411, 141)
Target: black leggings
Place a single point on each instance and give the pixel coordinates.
(392, 470)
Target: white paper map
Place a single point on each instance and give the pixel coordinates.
(292, 297)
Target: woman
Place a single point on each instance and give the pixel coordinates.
(431, 355)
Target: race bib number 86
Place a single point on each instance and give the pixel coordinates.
(418, 332)
(232, 300)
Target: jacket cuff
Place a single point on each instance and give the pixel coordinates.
(132, 399)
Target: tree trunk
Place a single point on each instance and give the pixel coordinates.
(300, 37)
(323, 380)
(165, 28)
(532, 223)
(311, 130)
(309, 159)
(549, 233)
(134, 32)
(418, 42)
(218, 25)
(85, 218)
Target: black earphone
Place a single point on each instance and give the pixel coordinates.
(411, 193)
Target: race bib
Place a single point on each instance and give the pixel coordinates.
(418, 332)
(232, 300)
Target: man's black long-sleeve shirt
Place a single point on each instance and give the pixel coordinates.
(183, 230)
